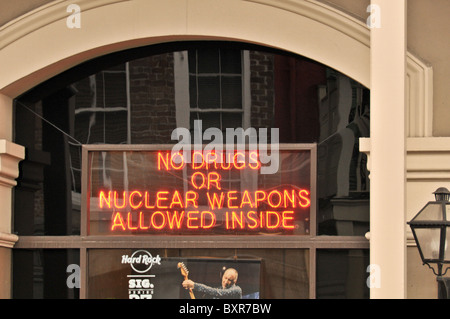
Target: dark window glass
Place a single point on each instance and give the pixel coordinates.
(208, 61)
(46, 273)
(232, 92)
(208, 92)
(230, 61)
(342, 274)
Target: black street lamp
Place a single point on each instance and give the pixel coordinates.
(431, 229)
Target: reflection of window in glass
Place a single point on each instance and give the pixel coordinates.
(215, 87)
(217, 92)
(343, 184)
(101, 114)
(102, 109)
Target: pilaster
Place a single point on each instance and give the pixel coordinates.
(388, 149)
(10, 156)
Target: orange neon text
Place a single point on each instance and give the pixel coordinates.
(175, 200)
(163, 220)
(146, 200)
(194, 220)
(209, 160)
(259, 220)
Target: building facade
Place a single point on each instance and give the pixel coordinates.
(95, 96)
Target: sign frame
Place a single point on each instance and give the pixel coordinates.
(86, 149)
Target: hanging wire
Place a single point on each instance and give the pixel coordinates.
(48, 122)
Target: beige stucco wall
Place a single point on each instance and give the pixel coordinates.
(421, 282)
(5, 271)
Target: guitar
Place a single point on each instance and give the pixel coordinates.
(184, 273)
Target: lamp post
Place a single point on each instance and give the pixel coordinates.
(431, 230)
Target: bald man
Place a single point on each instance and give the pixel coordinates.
(229, 288)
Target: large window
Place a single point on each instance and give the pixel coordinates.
(93, 136)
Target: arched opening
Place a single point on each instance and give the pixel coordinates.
(140, 96)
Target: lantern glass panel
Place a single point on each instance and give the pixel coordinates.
(447, 248)
(447, 211)
(432, 211)
(429, 239)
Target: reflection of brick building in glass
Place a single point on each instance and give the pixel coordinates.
(143, 100)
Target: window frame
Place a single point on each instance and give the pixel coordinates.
(84, 242)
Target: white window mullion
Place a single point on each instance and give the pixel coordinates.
(182, 98)
(246, 89)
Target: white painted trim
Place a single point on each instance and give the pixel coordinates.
(42, 16)
(181, 82)
(388, 150)
(246, 89)
(419, 92)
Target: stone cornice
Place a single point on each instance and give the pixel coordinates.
(8, 240)
(10, 156)
(427, 158)
(44, 15)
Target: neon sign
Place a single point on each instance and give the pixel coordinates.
(210, 193)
